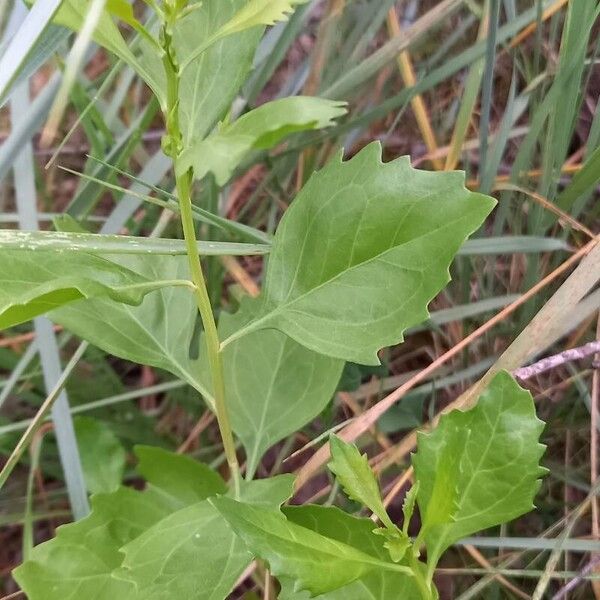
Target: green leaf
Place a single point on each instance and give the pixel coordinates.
(297, 552)
(180, 480)
(359, 533)
(478, 468)
(582, 183)
(354, 474)
(408, 506)
(102, 455)
(249, 16)
(157, 333)
(80, 560)
(396, 542)
(84, 557)
(211, 77)
(274, 385)
(193, 553)
(259, 12)
(34, 283)
(101, 244)
(361, 252)
(223, 67)
(223, 151)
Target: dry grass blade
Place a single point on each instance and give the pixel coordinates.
(549, 206)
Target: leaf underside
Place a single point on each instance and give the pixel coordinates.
(317, 563)
(134, 547)
(334, 523)
(81, 561)
(34, 283)
(361, 252)
(274, 385)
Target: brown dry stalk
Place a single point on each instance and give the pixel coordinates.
(482, 560)
(203, 422)
(548, 205)
(544, 328)
(567, 169)
(21, 339)
(354, 406)
(238, 272)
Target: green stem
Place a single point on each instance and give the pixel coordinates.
(173, 145)
(425, 587)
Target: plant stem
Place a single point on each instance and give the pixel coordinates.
(425, 587)
(173, 145)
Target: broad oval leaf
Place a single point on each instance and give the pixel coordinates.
(193, 553)
(212, 81)
(37, 282)
(81, 560)
(157, 333)
(359, 533)
(274, 385)
(264, 127)
(102, 455)
(478, 468)
(361, 252)
(297, 552)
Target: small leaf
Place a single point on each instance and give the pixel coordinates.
(259, 12)
(361, 252)
(262, 128)
(478, 468)
(298, 552)
(102, 455)
(396, 542)
(34, 283)
(354, 474)
(224, 66)
(193, 553)
(274, 385)
(408, 506)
